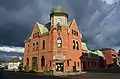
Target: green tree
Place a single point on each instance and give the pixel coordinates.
(6, 66)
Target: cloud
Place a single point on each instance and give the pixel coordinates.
(98, 21)
(12, 49)
(6, 57)
(109, 1)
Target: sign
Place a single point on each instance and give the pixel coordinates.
(58, 57)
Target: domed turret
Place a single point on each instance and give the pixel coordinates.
(58, 9)
(58, 15)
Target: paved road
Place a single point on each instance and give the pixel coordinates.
(95, 76)
(18, 75)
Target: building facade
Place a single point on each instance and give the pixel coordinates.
(93, 59)
(110, 55)
(55, 45)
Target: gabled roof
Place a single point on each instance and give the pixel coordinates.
(84, 46)
(70, 23)
(100, 53)
(97, 52)
(92, 52)
(42, 28)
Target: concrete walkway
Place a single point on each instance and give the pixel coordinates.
(65, 73)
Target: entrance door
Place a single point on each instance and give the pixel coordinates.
(59, 67)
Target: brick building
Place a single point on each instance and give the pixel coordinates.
(93, 59)
(55, 45)
(110, 55)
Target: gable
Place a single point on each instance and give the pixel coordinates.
(42, 28)
(39, 29)
(35, 30)
(73, 25)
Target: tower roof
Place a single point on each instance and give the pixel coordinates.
(58, 9)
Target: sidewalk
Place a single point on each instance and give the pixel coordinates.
(65, 73)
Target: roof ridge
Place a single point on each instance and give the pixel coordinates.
(39, 23)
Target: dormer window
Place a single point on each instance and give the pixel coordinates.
(59, 42)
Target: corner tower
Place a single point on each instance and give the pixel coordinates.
(58, 16)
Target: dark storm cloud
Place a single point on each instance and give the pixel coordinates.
(17, 18)
(98, 21)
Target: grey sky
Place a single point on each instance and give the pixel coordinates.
(99, 22)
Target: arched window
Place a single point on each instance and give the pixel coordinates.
(73, 44)
(33, 46)
(77, 45)
(59, 42)
(68, 64)
(74, 63)
(78, 64)
(27, 61)
(58, 26)
(42, 61)
(36, 45)
(34, 61)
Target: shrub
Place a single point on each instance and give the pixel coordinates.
(6, 66)
(32, 70)
(27, 69)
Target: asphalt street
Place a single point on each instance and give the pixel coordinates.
(20, 75)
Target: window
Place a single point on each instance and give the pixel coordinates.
(94, 64)
(34, 62)
(43, 44)
(77, 45)
(42, 61)
(78, 64)
(113, 55)
(58, 26)
(33, 46)
(28, 48)
(36, 45)
(88, 64)
(27, 62)
(73, 44)
(74, 63)
(35, 35)
(68, 63)
(74, 32)
(59, 42)
(50, 63)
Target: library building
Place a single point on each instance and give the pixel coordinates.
(55, 45)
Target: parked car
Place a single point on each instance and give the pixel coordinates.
(13, 66)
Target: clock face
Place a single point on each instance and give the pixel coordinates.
(59, 20)
(58, 41)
